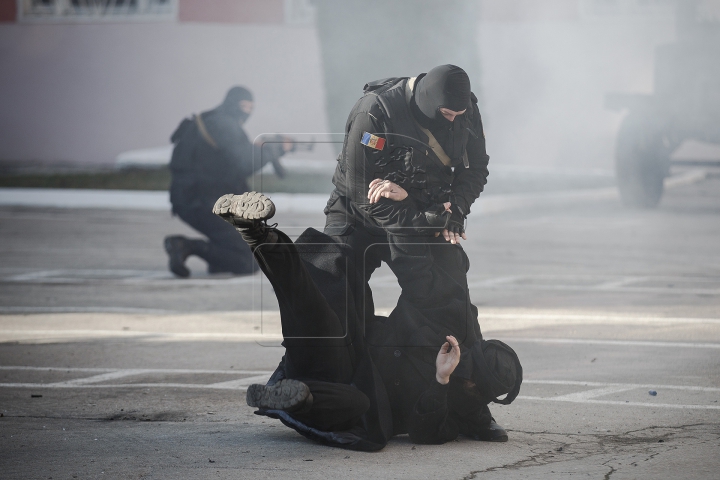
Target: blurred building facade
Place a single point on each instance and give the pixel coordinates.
(83, 80)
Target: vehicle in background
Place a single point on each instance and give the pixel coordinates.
(685, 106)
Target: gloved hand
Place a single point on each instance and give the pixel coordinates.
(455, 228)
(437, 216)
(456, 223)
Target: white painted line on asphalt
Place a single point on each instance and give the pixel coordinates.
(564, 317)
(87, 333)
(622, 385)
(601, 288)
(193, 386)
(702, 285)
(85, 198)
(622, 343)
(242, 382)
(103, 377)
(626, 404)
(587, 396)
(180, 371)
(595, 392)
(623, 282)
(129, 277)
(130, 310)
(494, 281)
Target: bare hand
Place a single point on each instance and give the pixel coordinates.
(386, 189)
(453, 237)
(288, 144)
(447, 359)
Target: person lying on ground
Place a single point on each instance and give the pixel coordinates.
(330, 391)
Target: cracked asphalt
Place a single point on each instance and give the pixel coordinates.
(109, 368)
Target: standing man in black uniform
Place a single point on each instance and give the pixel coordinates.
(424, 134)
(212, 156)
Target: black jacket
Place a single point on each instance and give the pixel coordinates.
(407, 159)
(395, 370)
(206, 166)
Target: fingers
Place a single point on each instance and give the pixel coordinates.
(455, 349)
(464, 237)
(437, 234)
(374, 192)
(376, 188)
(446, 235)
(447, 206)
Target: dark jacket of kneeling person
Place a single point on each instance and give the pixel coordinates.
(396, 371)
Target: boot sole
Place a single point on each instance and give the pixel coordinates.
(287, 395)
(245, 209)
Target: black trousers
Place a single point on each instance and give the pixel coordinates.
(317, 350)
(225, 250)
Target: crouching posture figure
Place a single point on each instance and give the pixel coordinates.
(352, 389)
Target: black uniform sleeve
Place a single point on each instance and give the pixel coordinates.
(430, 422)
(362, 166)
(470, 182)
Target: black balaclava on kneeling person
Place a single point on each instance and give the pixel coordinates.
(231, 104)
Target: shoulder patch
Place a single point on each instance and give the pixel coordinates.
(372, 141)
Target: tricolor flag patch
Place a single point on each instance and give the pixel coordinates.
(372, 141)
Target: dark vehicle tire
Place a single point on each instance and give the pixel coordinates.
(642, 159)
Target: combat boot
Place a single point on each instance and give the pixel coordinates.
(291, 396)
(179, 248)
(248, 213)
(488, 433)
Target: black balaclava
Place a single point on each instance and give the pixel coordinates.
(446, 86)
(231, 104)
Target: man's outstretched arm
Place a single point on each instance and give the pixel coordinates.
(430, 422)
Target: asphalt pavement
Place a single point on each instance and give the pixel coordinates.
(112, 368)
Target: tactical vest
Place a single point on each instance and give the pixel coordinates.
(426, 174)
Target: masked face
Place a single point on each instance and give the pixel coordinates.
(238, 103)
(442, 94)
(449, 114)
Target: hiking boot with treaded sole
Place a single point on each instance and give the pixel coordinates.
(245, 210)
(287, 395)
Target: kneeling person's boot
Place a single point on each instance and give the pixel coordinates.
(291, 396)
(179, 248)
(248, 213)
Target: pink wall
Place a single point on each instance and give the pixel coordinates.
(84, 93)
(232, 11)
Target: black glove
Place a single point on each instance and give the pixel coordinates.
(456, 223)
(437, 217)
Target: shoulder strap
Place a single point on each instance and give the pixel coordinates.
(204, 133)
(432, 141)
(435, 146)
(379, 86)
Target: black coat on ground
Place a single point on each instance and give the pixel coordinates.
(393, 368)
